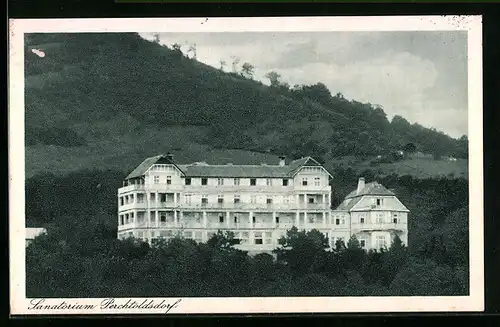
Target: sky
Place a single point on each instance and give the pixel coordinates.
(421, 76)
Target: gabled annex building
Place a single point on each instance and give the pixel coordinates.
(161, 198)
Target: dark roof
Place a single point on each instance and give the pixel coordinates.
(353, 198)
(348, 204)
(373, 188)
(245, 171)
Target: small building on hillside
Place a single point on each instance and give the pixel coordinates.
(32, 232)
(374, 215)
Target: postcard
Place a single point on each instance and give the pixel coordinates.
(246, 165)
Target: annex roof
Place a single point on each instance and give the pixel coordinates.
(373, 188)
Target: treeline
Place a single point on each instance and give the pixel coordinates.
(162, 87)
(81, 255)
(93, 264)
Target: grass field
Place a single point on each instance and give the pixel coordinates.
(417, 167)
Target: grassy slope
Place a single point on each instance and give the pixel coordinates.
(120, 131)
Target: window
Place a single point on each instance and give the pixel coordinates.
(253, 199)
(362, 220)
(317, 181)
(380, 218)
(236, 199)
(253, 181)
(121, 200)
(304, 181)
(337, 221)
(169, 180)
(220, 181)
(187, 198)
(285, 182)
(395, 218)
(204, 181)
(379, 202)
(381, 242)
(188, 181)
(156, 179)
(121, 219)
(131, 198)
(204, 199)
(362, 243)
(235, 219)
(221, 219)
(253, 220)
(198, 218)
(310, 220)
(220, 198)
(311, 200)
(198, 237)
(269, 182)
(152, 196)
(269, 200)
(277, 220)
(236, 181)
(152, 216)
(163, 197)
(140, 198)
(163, 217)
(258, 238)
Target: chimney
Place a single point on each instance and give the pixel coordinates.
(282, 161)
(170, 156)
(361, 185)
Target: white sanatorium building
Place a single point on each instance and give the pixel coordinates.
(259, 203)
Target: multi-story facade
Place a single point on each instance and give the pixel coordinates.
(375, 215)
(259, 203)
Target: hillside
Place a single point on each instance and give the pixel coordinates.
(106, 101)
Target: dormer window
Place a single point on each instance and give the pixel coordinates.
(253, 181)
(204, 181)
(285, 182)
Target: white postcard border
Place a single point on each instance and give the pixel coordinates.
(20, 305)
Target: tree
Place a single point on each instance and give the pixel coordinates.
(300, 250)
(176, 47)
(192, 50)
(410, 148)
(156, 38)
(235, 63)
(247, 70)
(274, 78)
(222, 64)
(353, 256)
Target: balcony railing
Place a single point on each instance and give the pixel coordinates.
(241, 206)
(380, 226)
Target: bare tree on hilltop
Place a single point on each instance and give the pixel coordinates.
(235, 63)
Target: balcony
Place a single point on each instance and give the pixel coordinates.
(129, 188)
(253, 206)
(380, 227)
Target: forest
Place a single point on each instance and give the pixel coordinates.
(163, 87)
(80, 255)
